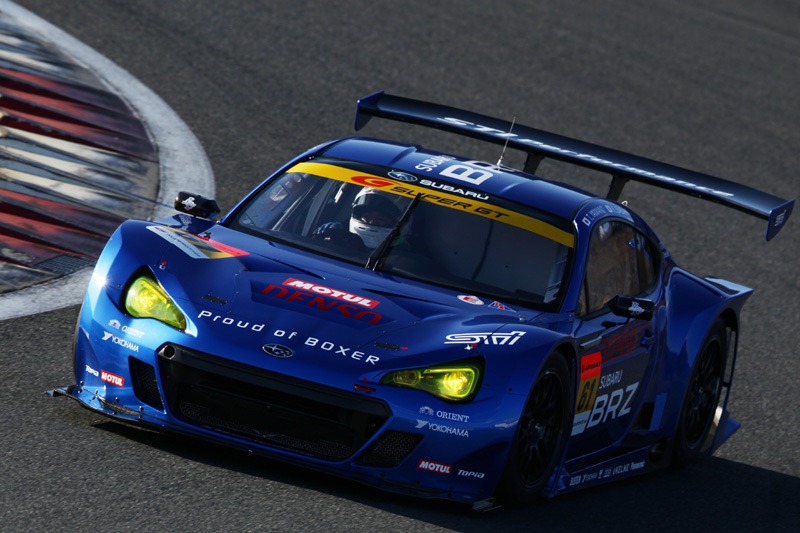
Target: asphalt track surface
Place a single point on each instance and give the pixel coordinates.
(708, 85)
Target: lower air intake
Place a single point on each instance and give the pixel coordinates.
(145, 386)
(391, 449)
(267, 408)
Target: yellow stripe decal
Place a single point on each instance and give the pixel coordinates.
(448, 200)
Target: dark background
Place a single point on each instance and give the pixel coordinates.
(709, 85)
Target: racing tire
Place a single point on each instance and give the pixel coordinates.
(541, 435)
(702, 397)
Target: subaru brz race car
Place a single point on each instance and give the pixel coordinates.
(424, 322)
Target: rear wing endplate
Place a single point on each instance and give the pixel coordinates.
(540, 144)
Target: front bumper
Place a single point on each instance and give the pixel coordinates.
(393, 439)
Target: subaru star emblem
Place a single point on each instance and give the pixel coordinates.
(277, 350)
(402, 176)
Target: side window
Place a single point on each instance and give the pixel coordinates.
(621, 262)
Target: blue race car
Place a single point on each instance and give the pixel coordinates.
(424, 322)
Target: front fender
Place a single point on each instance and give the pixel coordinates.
(524, 364)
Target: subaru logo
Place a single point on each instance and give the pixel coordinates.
(277, 350)
(402, 176)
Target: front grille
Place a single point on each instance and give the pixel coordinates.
(266, 407)
(391, 449)
(144, 383)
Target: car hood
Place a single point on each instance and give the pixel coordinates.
(281, 308)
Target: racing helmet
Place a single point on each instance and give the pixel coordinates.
(373, 216)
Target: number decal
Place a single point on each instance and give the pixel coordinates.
(591, 366)
(588, 393)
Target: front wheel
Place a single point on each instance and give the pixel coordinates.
(702, 396)
(541, 434)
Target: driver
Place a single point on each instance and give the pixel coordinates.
(372, 217)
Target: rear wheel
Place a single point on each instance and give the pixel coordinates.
(541, 434)
(702, 396)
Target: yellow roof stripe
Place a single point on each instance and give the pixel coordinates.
(452, 201)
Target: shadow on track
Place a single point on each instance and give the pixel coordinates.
(706, 495)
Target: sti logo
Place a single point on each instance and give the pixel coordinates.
(506, 339)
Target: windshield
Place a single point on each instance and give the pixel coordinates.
(475, 247)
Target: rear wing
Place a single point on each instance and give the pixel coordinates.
(540, 144)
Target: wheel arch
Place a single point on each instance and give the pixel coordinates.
(508, 488)
(694, 307)
(570, 353)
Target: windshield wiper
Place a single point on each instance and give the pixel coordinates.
(377, 255)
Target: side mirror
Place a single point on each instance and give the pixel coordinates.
(196, 205)
(632, 307)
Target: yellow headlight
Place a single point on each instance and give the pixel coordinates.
(455, 382)
(146, 299)
(407, 378)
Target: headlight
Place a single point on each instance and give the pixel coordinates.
(147, 299)
(456, 382)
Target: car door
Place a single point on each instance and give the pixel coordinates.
(616, 352)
